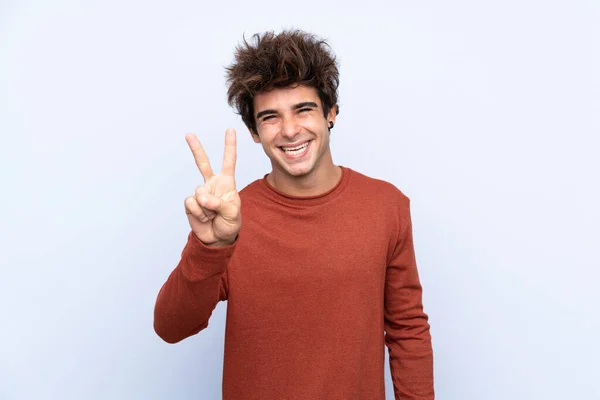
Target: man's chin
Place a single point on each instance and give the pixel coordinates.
(297, 171)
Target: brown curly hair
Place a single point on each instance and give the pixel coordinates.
(286, 59)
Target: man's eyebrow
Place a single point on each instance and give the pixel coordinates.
(295, 107)
(305, 104)
(265, 112)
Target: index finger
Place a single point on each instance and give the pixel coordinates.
(199, 156)
(230, 156)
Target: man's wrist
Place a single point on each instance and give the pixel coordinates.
(222, 243)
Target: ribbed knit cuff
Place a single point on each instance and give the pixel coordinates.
(200, 261)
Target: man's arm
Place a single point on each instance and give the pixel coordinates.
(406, 325)
(191, 293)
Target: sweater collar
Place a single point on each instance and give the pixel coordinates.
(300, 201)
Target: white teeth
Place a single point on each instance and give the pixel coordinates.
(296, 150)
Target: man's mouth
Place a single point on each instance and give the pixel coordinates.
(295, 150)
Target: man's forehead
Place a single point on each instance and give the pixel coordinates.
(286, 97)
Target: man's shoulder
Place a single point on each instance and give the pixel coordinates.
(378, 188)
(251, 190)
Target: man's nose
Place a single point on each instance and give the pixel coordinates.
(290, 128)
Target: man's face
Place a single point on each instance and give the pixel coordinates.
(292, 129)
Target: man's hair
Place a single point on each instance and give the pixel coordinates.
(287, 59)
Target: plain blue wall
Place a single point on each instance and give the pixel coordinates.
(485, 114)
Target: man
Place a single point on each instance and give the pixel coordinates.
(323, 263)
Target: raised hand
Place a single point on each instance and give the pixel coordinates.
(214, 210)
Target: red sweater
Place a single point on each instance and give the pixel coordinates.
(312, 284)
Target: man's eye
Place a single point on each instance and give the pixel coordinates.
(269, 117)
(305, 109)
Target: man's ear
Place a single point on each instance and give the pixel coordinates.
(331, 115)
(255, 136)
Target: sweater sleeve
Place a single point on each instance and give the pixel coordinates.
(407, 333)
(188, 297)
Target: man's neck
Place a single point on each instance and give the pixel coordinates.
(318, 181)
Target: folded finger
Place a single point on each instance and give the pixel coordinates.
(192, 207)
